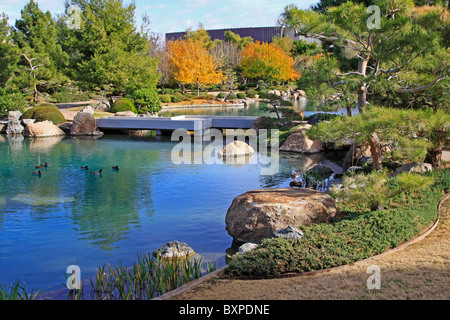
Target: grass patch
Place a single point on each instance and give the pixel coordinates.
(357, 234)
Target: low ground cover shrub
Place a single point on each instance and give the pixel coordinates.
(45, 112)
(123, 104)
(360, 234)
(241, 95)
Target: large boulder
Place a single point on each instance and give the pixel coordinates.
(256, 215)
(42, 129)
(236, 149)
(298, 141)
(84, 124)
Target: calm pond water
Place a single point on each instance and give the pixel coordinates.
(251, 110)
(68, 216)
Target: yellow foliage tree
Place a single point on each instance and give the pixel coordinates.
(268, 62)
(193, 64)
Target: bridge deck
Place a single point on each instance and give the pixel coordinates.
(190, 123)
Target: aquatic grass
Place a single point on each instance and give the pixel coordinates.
(17, 291)
(148, 277)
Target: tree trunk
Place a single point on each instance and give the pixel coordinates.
(198, 90)
(375, 149)
(362, 90)
(434, 157)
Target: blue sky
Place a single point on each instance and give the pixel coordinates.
(177, 15)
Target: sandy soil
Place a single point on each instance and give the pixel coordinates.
(419, 272)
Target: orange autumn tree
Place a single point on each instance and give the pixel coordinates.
(193, 64)
(268, 62)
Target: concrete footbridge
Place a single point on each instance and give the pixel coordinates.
(165, 125)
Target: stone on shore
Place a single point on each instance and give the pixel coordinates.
(290, 232)
(298, 141)
(42, 129)
(256, 215)
(415, 166)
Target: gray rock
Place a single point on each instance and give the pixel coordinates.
(14, 127)
(174, 249)
(26, 122)
(14, 115)
(89, 110)
(355, 169)
(246, 247)
(288, 233)
(414, 167)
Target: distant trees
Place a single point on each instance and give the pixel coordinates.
(41, 56)
(268, 62)
(193, 64)
(107, 48)
(403, 61)
(9, 54)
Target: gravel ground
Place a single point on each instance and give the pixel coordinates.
(419, 272)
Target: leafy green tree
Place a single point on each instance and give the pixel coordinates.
(395, 134)
(35, 36)
(9, 55)
(236, 39)
(147, 101)
(403, 61)
(107, 48)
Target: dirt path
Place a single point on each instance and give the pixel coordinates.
(419, 272)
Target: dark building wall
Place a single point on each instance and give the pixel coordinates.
(263, 34)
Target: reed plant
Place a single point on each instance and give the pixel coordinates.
(148, 277)
(17, 291)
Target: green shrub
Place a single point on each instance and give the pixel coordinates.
(413, 182)
(45, 112)
(123, 104)
(11, 101)
(361, 234)
(252, 93)
(232, 96)
(241, 95)
(175, 99)
(147, 100)
(223, 95)
(166, 98)
(168, 91)
(209, 97)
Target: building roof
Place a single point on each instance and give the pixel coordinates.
(262, 34)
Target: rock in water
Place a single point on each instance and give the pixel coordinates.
(174, 249)
(84, 124)
(236, 149)
(256, 215)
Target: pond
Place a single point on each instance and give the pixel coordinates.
(68, 216)
(251, 110)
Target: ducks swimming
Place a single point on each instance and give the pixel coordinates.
(116, 168)
(45, 165)
(38, 173)
(97, 173)
(85, 168)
